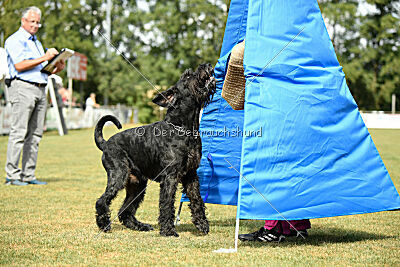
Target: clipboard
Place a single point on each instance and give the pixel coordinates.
(64, 54)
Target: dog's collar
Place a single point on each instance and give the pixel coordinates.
(184, 131)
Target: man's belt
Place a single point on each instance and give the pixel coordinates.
(33, 83)
(8, 82)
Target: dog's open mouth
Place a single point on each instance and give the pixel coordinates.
(211, 87)
(206, 86)
(210, 83)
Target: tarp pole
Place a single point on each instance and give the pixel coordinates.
(236, 232)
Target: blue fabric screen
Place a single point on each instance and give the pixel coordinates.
(314, 157)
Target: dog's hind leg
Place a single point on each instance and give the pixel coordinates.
(168, 187)
(117, 176)
(135, 191)
(103, 204)
(191, 187)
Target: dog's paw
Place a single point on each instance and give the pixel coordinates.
(203, 227)
(103, 223)
(169, 233)
(106, 229)
(136, 225)
(145, 227)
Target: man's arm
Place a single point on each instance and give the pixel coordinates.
(31, 63)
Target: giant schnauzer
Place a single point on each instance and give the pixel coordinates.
(167, 151)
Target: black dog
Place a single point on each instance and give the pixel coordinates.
(168, 152)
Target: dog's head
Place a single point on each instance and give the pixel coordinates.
(193, 87)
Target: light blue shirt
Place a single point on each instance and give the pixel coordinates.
(22, 46)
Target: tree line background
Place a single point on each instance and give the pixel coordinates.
(162, 38)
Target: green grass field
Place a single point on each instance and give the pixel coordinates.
(55, 224)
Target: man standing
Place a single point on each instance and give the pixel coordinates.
(26, 58)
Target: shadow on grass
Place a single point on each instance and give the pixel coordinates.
(338, 235)
(77, 180)
(53, 180)
(322, 237)
(317, 237)
(118, 228)
(188, 228)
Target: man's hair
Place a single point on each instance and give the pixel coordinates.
(29, 9)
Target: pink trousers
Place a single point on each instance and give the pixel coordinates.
(285, 226)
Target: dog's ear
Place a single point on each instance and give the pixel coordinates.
(166, 98)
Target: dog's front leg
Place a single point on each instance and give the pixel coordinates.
(166, 205)
(191, 187)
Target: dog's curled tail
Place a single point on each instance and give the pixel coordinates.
(98, 131)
